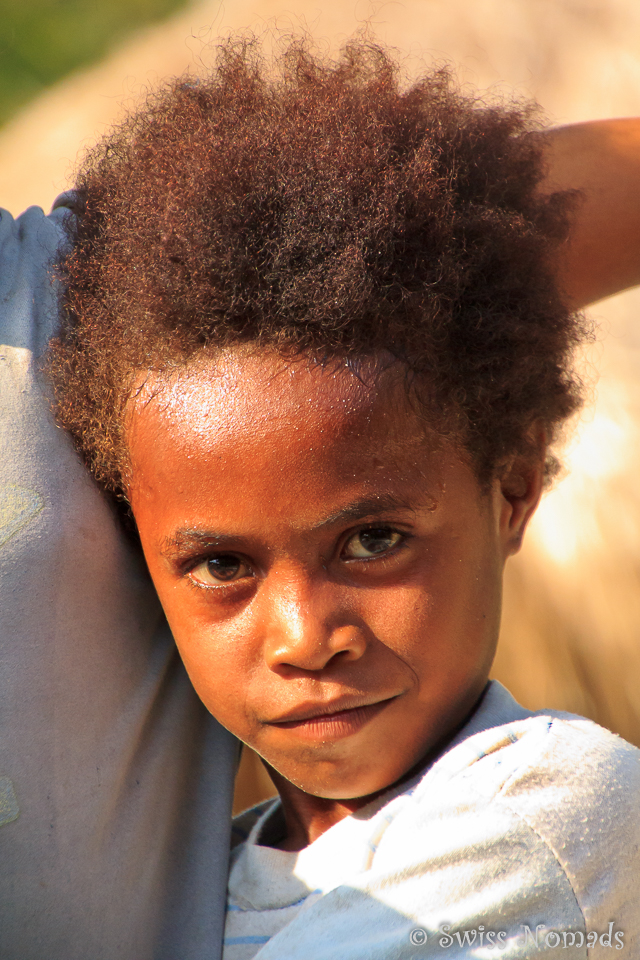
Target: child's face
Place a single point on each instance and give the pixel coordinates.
(330, 571)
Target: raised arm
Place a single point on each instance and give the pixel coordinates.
(602, 159)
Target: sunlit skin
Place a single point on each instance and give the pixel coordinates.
(330, 568)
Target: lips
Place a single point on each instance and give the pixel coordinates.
(312, 711)
(330, 720)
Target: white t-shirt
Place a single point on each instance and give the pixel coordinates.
(521, 840)
(115, 783)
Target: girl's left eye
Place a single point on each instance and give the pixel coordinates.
(371, 543)
(219, 569)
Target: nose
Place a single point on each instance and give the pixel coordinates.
(307, 626)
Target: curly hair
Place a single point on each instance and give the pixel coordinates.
(321, 207)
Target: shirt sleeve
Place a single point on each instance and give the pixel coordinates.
(115, 784)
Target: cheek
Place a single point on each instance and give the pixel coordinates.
(223, 661)
(446, 622)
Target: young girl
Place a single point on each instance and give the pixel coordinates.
(315, 341)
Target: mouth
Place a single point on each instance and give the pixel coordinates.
(332, 720)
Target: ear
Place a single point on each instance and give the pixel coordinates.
(519, 488)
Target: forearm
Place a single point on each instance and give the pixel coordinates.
(602, 160)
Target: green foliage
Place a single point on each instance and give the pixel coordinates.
(43, 40)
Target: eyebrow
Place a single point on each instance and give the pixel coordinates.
(367, 507)
(190, 539)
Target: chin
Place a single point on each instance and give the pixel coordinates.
(337, 785)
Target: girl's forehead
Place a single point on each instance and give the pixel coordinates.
(242, 392)
(263, 441)
(260, 419)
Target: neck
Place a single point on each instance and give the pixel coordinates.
(307, 817)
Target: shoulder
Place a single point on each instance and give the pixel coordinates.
(581, 762)
(576, 787)
(518, 753)
(564, 771)
(544, 795)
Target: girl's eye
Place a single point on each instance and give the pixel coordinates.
(371, 542)
(222, 568)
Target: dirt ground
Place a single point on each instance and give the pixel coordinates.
(571, 628)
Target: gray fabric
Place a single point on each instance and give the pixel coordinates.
(115, 784)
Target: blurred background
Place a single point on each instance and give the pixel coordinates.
(69, 68)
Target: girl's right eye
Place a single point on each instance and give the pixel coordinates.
(219, 569)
